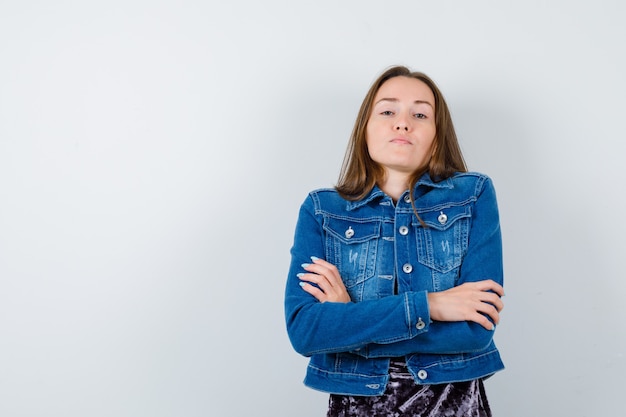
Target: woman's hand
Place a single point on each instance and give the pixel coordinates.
(472, 301)
(329, 284)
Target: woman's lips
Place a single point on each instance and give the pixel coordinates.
(401, 141)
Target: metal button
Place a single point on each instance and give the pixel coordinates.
(442, 218)
(422, 374)
(349, 233)
(407, 268)
(420, 324)
(407, 198)
(403, 230)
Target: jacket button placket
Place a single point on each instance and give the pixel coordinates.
(404, 221)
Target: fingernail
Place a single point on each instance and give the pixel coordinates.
(305, 265)
(300, 275)
(314, 258)
(302, 284)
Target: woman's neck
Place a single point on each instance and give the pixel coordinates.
(394, 184)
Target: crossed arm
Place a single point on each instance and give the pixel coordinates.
(476, 302)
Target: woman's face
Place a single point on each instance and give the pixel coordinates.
(401, 128)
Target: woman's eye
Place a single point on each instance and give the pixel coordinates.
(386, 113)
(420, 116)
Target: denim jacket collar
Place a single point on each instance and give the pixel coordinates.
(376, 192)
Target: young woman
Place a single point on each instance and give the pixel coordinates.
(396, 274)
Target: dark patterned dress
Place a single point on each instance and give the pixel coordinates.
(403, 397)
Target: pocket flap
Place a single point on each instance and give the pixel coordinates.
(445, 217)
(353, 230)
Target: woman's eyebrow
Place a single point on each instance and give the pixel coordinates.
(393, 100)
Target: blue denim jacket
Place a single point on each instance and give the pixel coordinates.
(389, 262)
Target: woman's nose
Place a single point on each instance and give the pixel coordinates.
(402, 125)
(402, 122)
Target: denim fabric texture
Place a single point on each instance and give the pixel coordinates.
(389, 262)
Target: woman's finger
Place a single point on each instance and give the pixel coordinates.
(327, 279)
(490, 311)
(321, 267)
(314, 291)
(319, 280)
(490, 285)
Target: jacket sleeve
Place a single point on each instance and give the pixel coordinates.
(315, 327)
(483, 260)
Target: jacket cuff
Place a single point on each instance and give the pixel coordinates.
(418, 313)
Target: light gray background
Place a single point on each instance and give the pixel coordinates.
(153, 156)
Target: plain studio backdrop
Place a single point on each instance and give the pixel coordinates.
(154, 154)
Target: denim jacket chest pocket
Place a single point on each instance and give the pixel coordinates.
(351, 245)
(442, 244)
